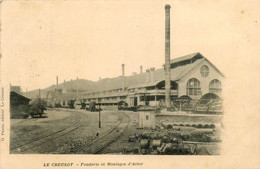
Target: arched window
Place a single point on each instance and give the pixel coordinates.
(215, 86)
(193, 87)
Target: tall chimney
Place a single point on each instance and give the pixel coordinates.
(141, 69)
(152, 73)
(147, 75)
(77, 86)
(39, 93)
(123, 76)
(167, 58)
(57, 82)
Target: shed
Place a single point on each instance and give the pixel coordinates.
(17, 99)
(146, 119)
(19, 105)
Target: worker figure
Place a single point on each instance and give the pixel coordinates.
(97, 134)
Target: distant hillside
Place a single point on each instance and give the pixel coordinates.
(70, 86)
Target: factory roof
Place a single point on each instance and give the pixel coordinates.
(17, 99)
(187, 57)
(19, 96)
(159, 75)
(182, 66)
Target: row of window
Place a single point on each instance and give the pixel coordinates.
(193, 87)
(106, 99)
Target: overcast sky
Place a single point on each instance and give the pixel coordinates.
(89, 40)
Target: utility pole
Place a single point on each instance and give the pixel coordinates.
(99, 114)
(39, 96)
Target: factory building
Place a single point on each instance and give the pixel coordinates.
(64, 93)
(192, 76)
(19, 105)
(190, 80)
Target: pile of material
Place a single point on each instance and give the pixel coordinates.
(171, 139)
(171, 134)
(166, 146)
(168, 141)
(169, 125)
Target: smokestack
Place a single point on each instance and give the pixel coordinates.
(123, 76)
(152, 73)
(39, 93)
(167, 58)
(63, 89)
(39, 96)
(77, 86)
(141, 69)
(57, 82)
(147, 75)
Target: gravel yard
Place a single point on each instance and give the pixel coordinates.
(123, 146)
(29, 131)
(70, 131)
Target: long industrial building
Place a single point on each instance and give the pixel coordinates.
(192, 76)
(191, 80)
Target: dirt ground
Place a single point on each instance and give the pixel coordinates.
(24, 131)
(28, 131)
(122, 144)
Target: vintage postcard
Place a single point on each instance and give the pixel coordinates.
(130, 84)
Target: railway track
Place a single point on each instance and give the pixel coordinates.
(113, 140)
(26, 120)
(100, 143)
(37, 142)
(93, 147)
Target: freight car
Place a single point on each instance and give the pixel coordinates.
(37, 110)
(71, 104)
(124, 106)
(93, 106)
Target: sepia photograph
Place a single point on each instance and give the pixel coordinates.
(125, 78)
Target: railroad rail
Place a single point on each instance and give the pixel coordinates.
(26, 120)
(93, 147)
(36, 142)
(111, 136)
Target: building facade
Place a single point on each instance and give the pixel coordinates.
(19, 105)
(192, 76)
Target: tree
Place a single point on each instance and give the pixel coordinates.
(37, 107)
